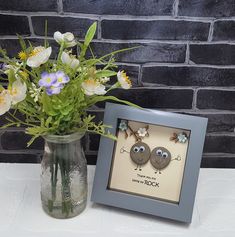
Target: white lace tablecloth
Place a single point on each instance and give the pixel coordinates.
(21, 214)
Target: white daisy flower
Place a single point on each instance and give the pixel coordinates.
(93, 87)
(5, 102)
(38, 56)
(18, 91)
(69, 60)
(124, 80)
(67, 39)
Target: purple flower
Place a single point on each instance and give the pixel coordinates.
(53, 82)
(47, 79)
(62, 78)
(2, 66)
(54, 90)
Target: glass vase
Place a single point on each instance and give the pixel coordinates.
(63, 176)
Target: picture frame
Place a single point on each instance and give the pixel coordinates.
(167, 191)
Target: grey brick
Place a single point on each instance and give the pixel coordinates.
(160, 29)
(94, 140)
(120, 7)
(217, 54)
(78, 26)
(224, 30)
(188, 76)
(12, 46)
(156, 52)
(216, 161)
(220, 144)
(19, 158)
(28, 5)
(207, 8)
(156, 98)
(3, 117)
(216, 99)
(219, 122)
(12, 25)
(18, 141)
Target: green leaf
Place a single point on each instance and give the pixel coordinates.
(105, 73)
(11, 77)
(22, 42)
(88, 38)
(48, 121)
(47, 105)
(90, 34)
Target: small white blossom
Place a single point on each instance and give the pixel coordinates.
(124, 80)
(5, 102)
(67, 39)
(35, 92)
(93, 87)
(142, 132)
(18, 91)
(69, 60)
(104, 80)
(39, 56)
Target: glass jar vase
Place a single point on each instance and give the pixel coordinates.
(63, 176)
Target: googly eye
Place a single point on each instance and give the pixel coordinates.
(164, 154)
(136, 149)
(159, 152)
(142, 148)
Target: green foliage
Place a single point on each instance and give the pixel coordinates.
(66, 112)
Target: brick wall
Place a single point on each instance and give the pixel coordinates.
(186, 64)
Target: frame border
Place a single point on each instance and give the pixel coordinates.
(182, 211)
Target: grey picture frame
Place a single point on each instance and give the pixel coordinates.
(183, 210)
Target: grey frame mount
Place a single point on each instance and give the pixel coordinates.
(181, 211)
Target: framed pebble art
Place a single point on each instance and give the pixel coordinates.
(153, 165)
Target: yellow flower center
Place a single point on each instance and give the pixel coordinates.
(2, 100)
(36, 51)
(60, 79)
(90, 82)
(13, 91)
(22, 55)
(126, 78)
(48, 80)
(24, 74)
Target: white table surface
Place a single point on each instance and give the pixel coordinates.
(21, 213)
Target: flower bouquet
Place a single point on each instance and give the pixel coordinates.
(53, 95)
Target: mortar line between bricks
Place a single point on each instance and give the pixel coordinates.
(99, 29)
(31, 26)
(211, 31)
(194, 102)
(60, 6)
(219, 154)
(137, 41)
(220, 134)
(110, 17)
(114, 17)
(140, 75)
(175, 8)
(153, 64)
(153, 86)
(187, 54)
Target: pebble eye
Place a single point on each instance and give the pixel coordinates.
(136, 149)
(142, 148)
(164, 154)
(159, 152)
